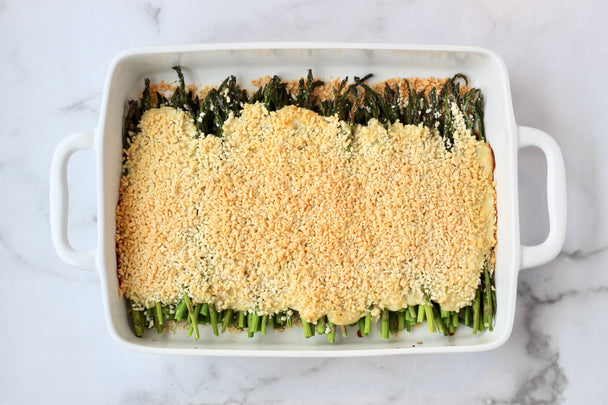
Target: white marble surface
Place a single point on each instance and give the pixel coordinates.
(54, 343)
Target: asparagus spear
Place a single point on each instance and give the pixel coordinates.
(401, 319)
(192, 315)
(331, 334)
(438, 321)
(385, 317)
(227, 320)
(488, 304)
(264, 323)
(321, 325)
(213, 316)
(455, 318)
(421, 314)
(197, 310)
(361, 324)
(430, 318)
(289, 320)
(476, 313)
(158, 318)
(278, 320)
(180, 311)
(241, 320)
(307, 328)
(393, 323)
(368, 323)
(138, 320)
(252, 324)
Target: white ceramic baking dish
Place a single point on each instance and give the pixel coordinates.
(209, 64)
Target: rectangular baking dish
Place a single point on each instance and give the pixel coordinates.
(210, 64)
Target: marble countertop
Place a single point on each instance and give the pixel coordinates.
(54, 343)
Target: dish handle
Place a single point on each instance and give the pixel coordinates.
(59, 199)
(546, 251)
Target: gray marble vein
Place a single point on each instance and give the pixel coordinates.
(78, 106)
(547, 384)
(153, 12)
(581, 255)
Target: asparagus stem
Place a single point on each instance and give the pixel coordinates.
(421, 314)
(253, 324)
(138, 320)
(182, 85)
(401, 319)
(192, 316)
(321, 325)
(428, 309)
(190, 329)
(213, 318)
(241, 320)
(384, 328)
(447, 319)
(197, 310)
(205, 310)
(250, 326)
(203, 313)
(485, 323)
(264, 322)
(289, 321)
(159, 311)
(180, 311)
(361, 324)
(146, 96)
(368, 323)
(331, 335)
(158, 318)
(149, 313)
(227, 320)
(306, 327)
(438, 321)
(476, 320)
(393, 322)
(488, 307)
(275, 321)
(344, 330)
(455, 318)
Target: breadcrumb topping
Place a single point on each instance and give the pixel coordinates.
(292, 210)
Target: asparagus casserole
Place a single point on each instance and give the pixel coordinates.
(325, 204)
